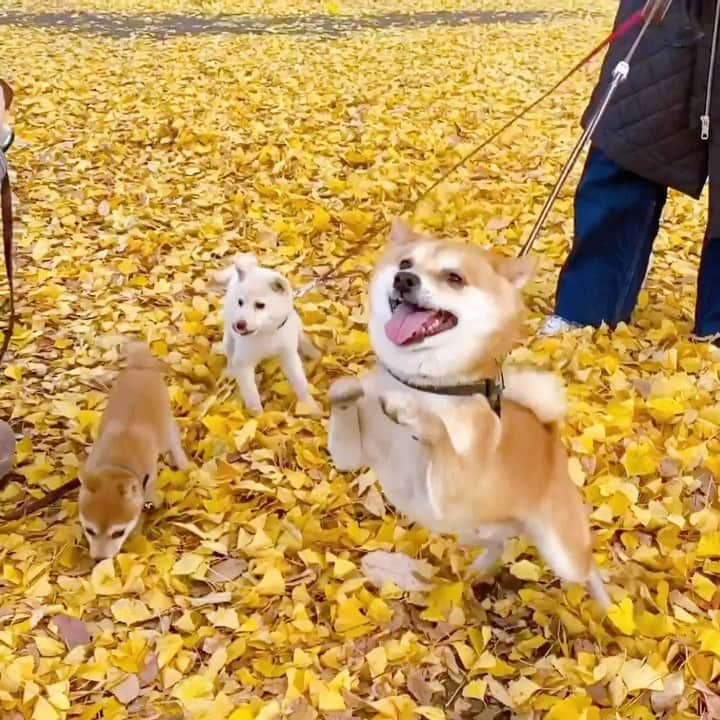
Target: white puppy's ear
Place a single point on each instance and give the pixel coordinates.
(401, 233)
(222, 277)
(519, 271)
(244, 262)
(279, 285)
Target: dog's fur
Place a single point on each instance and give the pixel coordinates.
(119, 475)
(260, 322)
(450, 463)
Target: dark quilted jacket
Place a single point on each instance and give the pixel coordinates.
(652, 126)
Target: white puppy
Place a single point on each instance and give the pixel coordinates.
(260, 323)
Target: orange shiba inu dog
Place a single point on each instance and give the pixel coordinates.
(452, 449)
(120, 472)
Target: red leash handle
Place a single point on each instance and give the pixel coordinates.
(622, 29)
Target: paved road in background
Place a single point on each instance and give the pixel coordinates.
(165, 25)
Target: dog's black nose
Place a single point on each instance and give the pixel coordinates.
(406, 282)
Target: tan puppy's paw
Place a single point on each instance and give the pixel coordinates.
(346, 391)
(401, 408)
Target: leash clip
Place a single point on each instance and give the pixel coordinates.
(621, 71)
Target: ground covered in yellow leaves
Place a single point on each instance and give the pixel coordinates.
(141, 165)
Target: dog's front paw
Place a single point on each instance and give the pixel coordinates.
(346, 391)
(399, 407)
(311, 352)
(254, 408)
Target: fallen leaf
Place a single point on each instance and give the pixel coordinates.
(149, 671)
(72, 631)
(408, 574)
(130, 612)
(127, 690)
(672, 692)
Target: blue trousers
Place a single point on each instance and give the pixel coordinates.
(617, 215)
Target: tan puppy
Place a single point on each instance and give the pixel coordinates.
(442, 317)
(121, 469)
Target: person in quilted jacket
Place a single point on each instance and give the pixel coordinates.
(660, 131)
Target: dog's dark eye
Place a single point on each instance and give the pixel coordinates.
(117, 534)
(455, 279)
(259, 305)
(241, 303)
(90, 532)
(406, 264)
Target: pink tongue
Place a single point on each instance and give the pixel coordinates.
(406, 322)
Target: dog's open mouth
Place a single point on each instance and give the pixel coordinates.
(243, 331)
(411, 324)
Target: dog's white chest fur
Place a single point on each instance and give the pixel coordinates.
(362, 435)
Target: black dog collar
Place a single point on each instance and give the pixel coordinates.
(491, 389)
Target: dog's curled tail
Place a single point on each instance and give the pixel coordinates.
(543, 393)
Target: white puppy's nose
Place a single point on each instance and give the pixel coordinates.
(241, 326)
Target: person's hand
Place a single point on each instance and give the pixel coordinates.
(656, 10)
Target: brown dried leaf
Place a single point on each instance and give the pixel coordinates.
(150, 670)
(127, 690)
(72, 631)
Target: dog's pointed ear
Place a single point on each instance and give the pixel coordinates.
(401, 233)
(222, 277)
(279, 285)
(89, 481)
(244, 262)
(7, 94)
(519, 271)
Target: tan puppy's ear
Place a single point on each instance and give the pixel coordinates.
(519, 271)
(89, 481)
(401, 233)
(7, 94)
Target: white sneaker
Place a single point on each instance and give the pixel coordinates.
(714, 339)
(555, 325)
